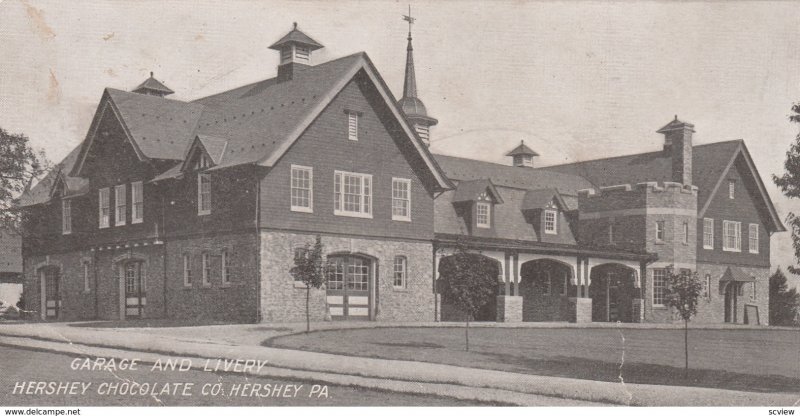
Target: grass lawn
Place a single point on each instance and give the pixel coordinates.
(750, 360)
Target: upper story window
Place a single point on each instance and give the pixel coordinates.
(104, 211)
(66, 216)
(752, 238)
(731, 189)
(206, 270)
(659, 286)
(483, 214)
(400, 266)
(731, 236)
(302, 189)
(685, 233)
(352, 194)
(352, 125)
(659, 231)
(550, 222)
(187, 270)
(120, 213)
(137, 202)
(203, 194)
(401, 199)
(708, 233)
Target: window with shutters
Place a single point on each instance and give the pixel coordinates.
(137, 202)
(104, 211)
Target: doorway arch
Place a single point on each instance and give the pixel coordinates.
(544, 286)
(613, 291)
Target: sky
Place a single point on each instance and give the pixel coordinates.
(575, 80)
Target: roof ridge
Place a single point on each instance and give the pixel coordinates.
(514, 168)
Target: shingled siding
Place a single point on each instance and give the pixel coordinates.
(216, 301)
(379, 151)
(283, 300)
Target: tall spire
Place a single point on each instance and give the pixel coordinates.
(411, 104)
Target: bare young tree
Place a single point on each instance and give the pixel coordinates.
(310, 268)
(682, 293)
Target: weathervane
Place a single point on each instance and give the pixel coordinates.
(409, 19)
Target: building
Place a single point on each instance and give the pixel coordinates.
(195, 210)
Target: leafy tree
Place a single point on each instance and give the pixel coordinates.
(682, 293)
(20, 166)
(789, 184)
(311, 270)
(784, 303)
(467, 281)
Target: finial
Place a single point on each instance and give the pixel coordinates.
(151, 74)
(676, 117)
(410, 21)
(294, 27)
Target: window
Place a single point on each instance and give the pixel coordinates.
(299, 253)
(86, 287)
(203, 194)
(550, 222)
(206, 270)
(752, 238)
(400, 264)
(707, 287)
(611, 233)
(659, 231)
(708, 233)
(352, 194)
(483, 214)
(731, 236)
(401, 199)
(302, 197)
(226, 273)
(137, 203)
(121, 205)
(104, 212)
(352, 125)
(187, 270)
(66, 216)
(685, 233)
(659, 286)
(731, 189)
(755, 294)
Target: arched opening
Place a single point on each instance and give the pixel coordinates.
(488, 312)
(50, 283)
(349, 287)
(545, 285)
(613, 291)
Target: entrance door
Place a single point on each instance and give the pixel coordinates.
(51, 293)
(730, 302)
(135, 299)
(348, 289)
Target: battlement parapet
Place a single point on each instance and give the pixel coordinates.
(645, 187)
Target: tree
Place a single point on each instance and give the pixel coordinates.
(467, 281)
(311, 270)
(20, 166)
(789, 184)
(784, 303)
(682, 293)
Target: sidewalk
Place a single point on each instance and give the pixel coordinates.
(476, 384)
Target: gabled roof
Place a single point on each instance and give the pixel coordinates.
(42, 191)
(298, 37)
(153, 85)
(212, 147)
(522, 149)
(467, 191)
(735, 274)
(710, 164)
(541, 198)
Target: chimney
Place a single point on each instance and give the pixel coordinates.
(678, 145)
(295, 53)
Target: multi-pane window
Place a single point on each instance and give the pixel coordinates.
(550, 222)
(731, 189)
(302, 192)
(708, 233)
(121, 205)
(659, 286)
(400, 265)
(137, 203)
(352, 125)
(86, 270)
(752, 238)
(352, 194)
(659, 230)
(226, 273)
(187, 270)
(104, 212)
(483, 215)
(401, 199)
(66, 216)
(685, 233)
(731, 236)
(203, 194)
(206, 270)
(358, 274)
(707, 287)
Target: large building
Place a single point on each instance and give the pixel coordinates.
(196, 210)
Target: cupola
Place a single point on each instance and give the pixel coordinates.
(522, 156)
(295, 53)
(152, 86)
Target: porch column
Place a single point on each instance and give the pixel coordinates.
(509, 305)
(580, 307)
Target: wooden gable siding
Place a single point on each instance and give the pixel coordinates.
(745, 208)
(380, 151)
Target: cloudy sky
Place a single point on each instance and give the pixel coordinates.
(574, 80)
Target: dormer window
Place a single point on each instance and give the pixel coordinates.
(203, 162)
(550, 221)
(483, 214)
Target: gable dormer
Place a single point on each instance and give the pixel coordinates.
(546, 210)
(475, 201)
